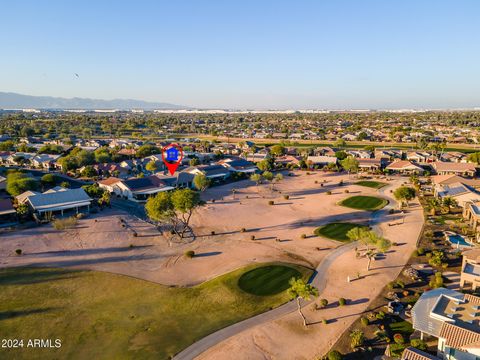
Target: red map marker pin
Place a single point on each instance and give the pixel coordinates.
(172, 156)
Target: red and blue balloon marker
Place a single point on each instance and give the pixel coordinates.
(172, 156)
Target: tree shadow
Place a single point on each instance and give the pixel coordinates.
(4, 315)
(206, 254)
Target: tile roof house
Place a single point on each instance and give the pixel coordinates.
(458, 191)
(451, 178)
(470, 273)
(139, 189)
(446, 168)
(321, 160)
(404, 167)
(453, 318)
(411, 353)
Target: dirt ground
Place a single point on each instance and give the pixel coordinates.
(100, 242)
(286, 338)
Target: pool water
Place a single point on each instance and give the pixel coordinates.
(457, 239)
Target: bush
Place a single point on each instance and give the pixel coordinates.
(347, 191)
(134, 233)
(212, 233)
(303, 236)
(394, 243)
(131, 246)
(62, 224)
(398, 338)
(323, 302)
(243, 230)
(421, 251)
(391, 211)
(189, 254)
(400, 284)
(342, 301)
(364, 321)
(286, 197)
(418, 344)
(324, 321)
(380, 315)
(334, 355)
(329, 192)
(252, 237)
(80, 216)
(18, 251)
(271, 202)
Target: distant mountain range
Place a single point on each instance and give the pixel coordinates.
(10, 100)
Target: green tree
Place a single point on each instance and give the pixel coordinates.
(404, 194)
(357, 338)
(350, 164)
(147, 150)
(175, 208)
(277, 150)
(340, 143)
(299, 289)
(18, 182)
(194, 161)
(89, 171)
(474, 157)
(201, 182)
(265, 165)
(256, 178)
(449, 203)
(48, 179)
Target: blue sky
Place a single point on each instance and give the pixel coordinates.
(246, 54)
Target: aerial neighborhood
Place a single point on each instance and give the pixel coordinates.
(385, 204)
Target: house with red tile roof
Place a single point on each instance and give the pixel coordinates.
(404, 167)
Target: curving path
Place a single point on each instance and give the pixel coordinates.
(318, 280)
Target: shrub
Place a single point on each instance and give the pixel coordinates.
(131, 246)
(243, 230)
(134, 233)
(400, 284)
(394, 243)
(329, 192)
(391, 285)
(364, 321)
(252, 237)
(62, 224)
(18, 251)
(391, 211)
(212, 233)
(271, 202)
(316, 181)
(418, 344)
(323, 302)
(324, 321)
(286, 197)
(380, 315)
(357, 338)
(189, 254)
(334, 355)
(80, 216)
(303, 236)
(421, 251)
(398, 338)
(347, 191)
(342, 301)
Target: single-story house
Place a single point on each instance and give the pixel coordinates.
(238, 165)
(58, 200)
(45, 161)
(321, 160)
(371, 164)
(109, 184)
(139, 189)
(411, 353)
(404, 167)
(213, 172)
(420, 156)
(451, 168)
(288, 159)
(8, 215)
(458, 191)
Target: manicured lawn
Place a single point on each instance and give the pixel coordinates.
(109, 316)
(267, 280)
(364, 202)
(371, 184)
(336, 231)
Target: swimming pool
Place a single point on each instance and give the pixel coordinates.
(456, 239)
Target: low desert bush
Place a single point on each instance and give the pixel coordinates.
(189, 254)
(67, 223)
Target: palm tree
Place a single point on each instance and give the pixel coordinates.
(449, 202)
(432, 204)
(300, 289)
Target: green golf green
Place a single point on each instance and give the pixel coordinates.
(336, 231)
(371, 184)
(364, 202)
(267, 280)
